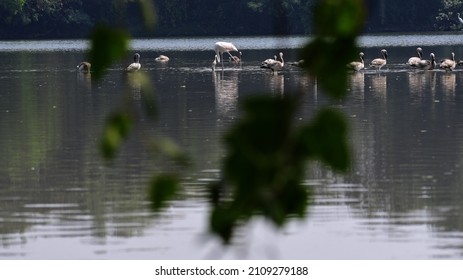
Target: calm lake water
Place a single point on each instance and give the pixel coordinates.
(60, 200)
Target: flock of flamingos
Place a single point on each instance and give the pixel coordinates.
(418, 62)
(276, 65)
(220, 48)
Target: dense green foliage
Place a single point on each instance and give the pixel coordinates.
(446, 18)
(76, 18)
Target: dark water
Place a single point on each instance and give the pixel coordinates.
(60, 200)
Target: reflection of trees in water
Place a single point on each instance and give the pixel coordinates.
(72, 197)
(55, 179)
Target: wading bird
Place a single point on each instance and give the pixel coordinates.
(274, 65)
(135, 66)
(357, 65)
(379, 62)
(428, 64)
(459, 18)
(414, 61)
(448, 64)
(84, 67)
(269, 60)
(162, 58)
(221, 47)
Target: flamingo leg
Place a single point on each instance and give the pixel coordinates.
(221, 58)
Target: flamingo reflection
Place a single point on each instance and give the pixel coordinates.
(226, 93)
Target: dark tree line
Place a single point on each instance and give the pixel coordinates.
(54, 18)
(403, 15)
(235, 17)
(75, 18)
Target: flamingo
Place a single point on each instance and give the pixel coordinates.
(379, 62)
(270, 60)
(448, 64)
(84, 67)
(274, 65)
(221, 47)
(428, 64)
(162, 58)
(357, 65)
(459, 18)
(135, 66)
(414, 61)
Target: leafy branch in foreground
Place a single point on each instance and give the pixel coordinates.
(266, 159)
(108, 45)
(267, 150)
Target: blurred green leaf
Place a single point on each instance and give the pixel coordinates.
(108, 44)
(337, 24)
(262, 168)
(255, 142)
(327, 59)
(149, 102)
(222, 222)
(149, 13)
(339, 18)
(326, 139)
(169, 148)
(141, 80)
(265, 163)
(162, 188)
(116, 130)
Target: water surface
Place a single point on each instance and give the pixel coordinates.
(60, 200)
